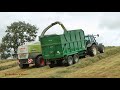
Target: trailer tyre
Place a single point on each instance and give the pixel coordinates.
(69, 60)
(39, 62)
(92, 50)
(52, 64)
(101, 48)
(75, 58)
(59, 63)
(22, 66)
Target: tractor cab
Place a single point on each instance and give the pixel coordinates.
(90, 39)
(92, 45)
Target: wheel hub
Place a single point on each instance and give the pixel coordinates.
(94, 51)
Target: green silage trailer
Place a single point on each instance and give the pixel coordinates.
(63, 49)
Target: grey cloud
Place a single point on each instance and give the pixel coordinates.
(110, 20)
(88, 21)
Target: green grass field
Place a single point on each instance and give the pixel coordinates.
(106, 65)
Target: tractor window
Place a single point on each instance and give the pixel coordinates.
(86, 38)
(92, 39)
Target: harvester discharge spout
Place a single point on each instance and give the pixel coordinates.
(57, 22)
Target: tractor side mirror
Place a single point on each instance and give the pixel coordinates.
(98, 35)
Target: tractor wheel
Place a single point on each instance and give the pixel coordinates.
(39, 62)
(75, 58)
(101, 49)
(52, 64)
(69, 60)
(22, 66)
(92, 50)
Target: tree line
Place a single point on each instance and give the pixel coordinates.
(16, 34)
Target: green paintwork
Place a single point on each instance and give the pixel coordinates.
(58, 46)
(34, 48)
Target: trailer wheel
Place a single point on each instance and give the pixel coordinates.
(52, 64)
(101, 48)
(92, 50)
(39, 62)
(69, 60)
(59, 62)
(22, 66)
(75, 58)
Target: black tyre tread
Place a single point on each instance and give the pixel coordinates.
(51, 65)
(68, 64)
(90, 51)
(37, 62)
(101, 48)
(75, 55)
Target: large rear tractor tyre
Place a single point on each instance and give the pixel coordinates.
(101, 48)
(75, 58)
(69, 60)
(22, 66)
(92, 51)
(39, 62)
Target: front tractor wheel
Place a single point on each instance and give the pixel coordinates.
(39, 62)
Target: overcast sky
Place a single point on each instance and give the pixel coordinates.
(106, 24)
